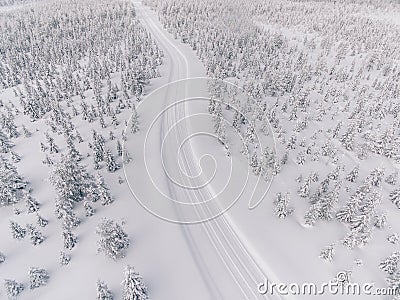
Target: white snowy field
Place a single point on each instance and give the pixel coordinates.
(184, 202)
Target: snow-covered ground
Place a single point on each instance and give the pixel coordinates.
(202, 222)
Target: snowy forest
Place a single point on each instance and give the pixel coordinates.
(321, 79)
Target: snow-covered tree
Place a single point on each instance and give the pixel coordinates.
(17, 231)
(13, 288)
(31, 204)
(70, 239)
(133, 285)
(282, 208)
(353, 175)
(112, 165)
(304, 190)
(88, 209)
(35, 235)
(134, 121)
(38, 277)
(103, 193)
(391, 263)
(394, 196)
(103, 292)
(42, 222)
(328, 253)
(113, 239)
(2, 258)
(64, 258)
(11, 183)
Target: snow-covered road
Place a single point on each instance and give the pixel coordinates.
(228, 269)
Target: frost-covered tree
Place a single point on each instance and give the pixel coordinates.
(134, 121)
(31, 204)
(2, 258)
(328, 253)
(119, 148)
(64, 258)
(17, 231)
(13, 288)
(113, 239)
(42, 222)
(133, 285)
(70, 239)
(38, 277)
(392, 178)
(103, 292)
(391, 263)
(282, 208)
(353, 175)
(394, 196)
(112, 165)
(11, 183)
(304, 190)
(35, 235)
(103, 193)
(89, 210)
(380, 221)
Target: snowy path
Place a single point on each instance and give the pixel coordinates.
(227, 267)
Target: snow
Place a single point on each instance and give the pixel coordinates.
(201, 225)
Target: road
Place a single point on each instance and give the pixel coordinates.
(226, 264)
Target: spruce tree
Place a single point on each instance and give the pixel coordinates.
(17, 231)
(133, 285)
(35, 235)
(112, 165)
(103, 193)
(103, 292)
(113, 239)
(64, 258)
(13, 288)
(2, 258)
(38, 277)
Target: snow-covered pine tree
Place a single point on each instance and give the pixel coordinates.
(70, 239)
(391, 263)
(35, 235)
(64, 258)
(11, 183)
(64, 211)
(103, 193)
(88, 209)
(394, 196)
(103, 292)
(304, 190)
(134, 121)
(37, 277)
(42, 222)
(133, 285)
(13, 288)
(2, 257)
(31, 204)
(282, 208)
(126, 157)
(113, 239)
(353, 175)
(392, 178)
(17, 231)
(52, 145)
(376, 176)
(328, 253)
(119, 148)
(112, 165)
